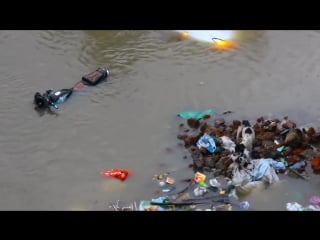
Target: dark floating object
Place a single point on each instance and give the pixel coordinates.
(227, 112)
(96, 77)
(53, 98)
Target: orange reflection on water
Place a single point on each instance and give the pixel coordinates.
(219, 44)
(182, 36)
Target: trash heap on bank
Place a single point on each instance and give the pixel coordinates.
(230, 159)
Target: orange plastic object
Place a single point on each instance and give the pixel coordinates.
(120, 174)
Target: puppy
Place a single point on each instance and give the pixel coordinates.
(241, 149)
(247, 135)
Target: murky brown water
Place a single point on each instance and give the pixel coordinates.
(53, 162)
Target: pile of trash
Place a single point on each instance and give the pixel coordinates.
(197, 194)
(250, 154)
(230, 159)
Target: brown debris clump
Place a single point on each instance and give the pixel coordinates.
(279, 140)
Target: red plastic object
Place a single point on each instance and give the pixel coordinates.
(120, 174)
(78, 86)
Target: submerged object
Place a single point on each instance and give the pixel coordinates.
(53, 98)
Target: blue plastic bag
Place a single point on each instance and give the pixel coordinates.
(207, 142)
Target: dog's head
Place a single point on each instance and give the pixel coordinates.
(248, 130)
(239, 159)
(246, 123)
(40, 101)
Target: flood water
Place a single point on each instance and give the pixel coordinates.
(53, 162)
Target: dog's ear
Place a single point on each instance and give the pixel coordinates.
(248, 131)
(246, 123)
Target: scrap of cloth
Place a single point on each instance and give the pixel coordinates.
(263, 165)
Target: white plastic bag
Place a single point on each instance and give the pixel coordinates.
(240, 177)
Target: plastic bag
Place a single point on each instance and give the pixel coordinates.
(228, 144)
(199, 177)
(315, 200)
(207, 142)
(120, 174)
(240, 177)
(196, 115)
(294, 206)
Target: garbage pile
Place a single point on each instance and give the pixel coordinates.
(251, 154)
(197, 194)
(230, 159)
